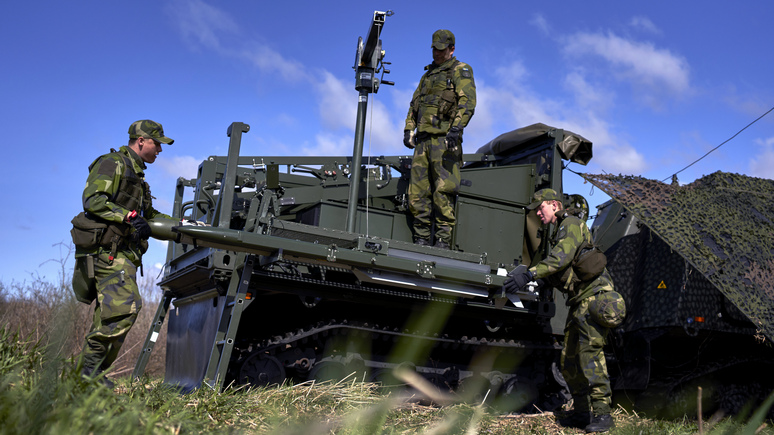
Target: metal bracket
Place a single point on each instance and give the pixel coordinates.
(425, 269)
(332, 253)
(374, 245)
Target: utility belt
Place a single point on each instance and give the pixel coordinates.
(90, 232)
(423, 136)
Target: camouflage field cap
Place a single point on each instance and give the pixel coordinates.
(149, 129)
(544, 195)
(442, 39)
(607, 309)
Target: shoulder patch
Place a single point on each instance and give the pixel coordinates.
(561, 233)
(465, 72)
(107, 167)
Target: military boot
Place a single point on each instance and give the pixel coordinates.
(91, 374)
(576, 419)
(600, 423)
(441, 244)
(421, 241)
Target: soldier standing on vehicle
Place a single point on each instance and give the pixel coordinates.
(110, 236)
(440, 109)
(594, 308)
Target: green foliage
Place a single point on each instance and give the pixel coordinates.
(41, 393)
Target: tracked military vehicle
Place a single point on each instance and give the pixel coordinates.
(304, 268)
(277, 287)
(694, 264)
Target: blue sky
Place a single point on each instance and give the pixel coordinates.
(655, 85)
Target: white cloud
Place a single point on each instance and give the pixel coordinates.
(286, 119)
(329, 144)
(507, 104)
(587, 95)
(510, 103)
(642, 64)
(180, 166)
(644, 24)
(619, 159)
(502, 108)
(541, 23)
(512, 77)
(611, 154)
(200, 23)
(762, 165)
(481, 129)
(270, 61)
(338, 106)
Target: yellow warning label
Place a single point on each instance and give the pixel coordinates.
(662, 285)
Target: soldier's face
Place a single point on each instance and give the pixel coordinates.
(546, 211)
(149, 149)
(441, 56)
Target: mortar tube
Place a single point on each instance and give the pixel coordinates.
(162, 229)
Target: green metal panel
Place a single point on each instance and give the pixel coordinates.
(502, 183)
(487, 227)
(612, 224)
(376, 223)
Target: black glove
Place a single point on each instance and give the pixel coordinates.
(517, 279)
(408, 139)
(453, 139)
(142, 231)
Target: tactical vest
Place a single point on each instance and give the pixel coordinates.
(132, 190)
(89, 231)
(588, 263)
(438, 99)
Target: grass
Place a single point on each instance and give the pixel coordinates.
(41, 331)
(41, 393)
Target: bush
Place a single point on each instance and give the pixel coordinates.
(47, 313)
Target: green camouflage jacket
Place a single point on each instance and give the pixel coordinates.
(566, 239)
(445, 98)
(105, 175)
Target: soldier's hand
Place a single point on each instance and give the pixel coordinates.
(510, 285)
(408, 139)
(142, 231)
(193, 223)
(453, 139)
(517, 279)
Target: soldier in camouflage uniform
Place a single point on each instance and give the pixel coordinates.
(441, 107)
(583, 360)
(110, 237)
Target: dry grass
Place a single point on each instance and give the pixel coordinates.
(39, 392)
(41, 310)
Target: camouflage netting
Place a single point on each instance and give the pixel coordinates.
(722, 224)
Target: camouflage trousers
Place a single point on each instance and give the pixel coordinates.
(432, 191)
(118, 303)
(583, 361)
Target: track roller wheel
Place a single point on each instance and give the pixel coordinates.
(261, 370)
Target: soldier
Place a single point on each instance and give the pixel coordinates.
(110, 236)
(594, 308)
(441, 107)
